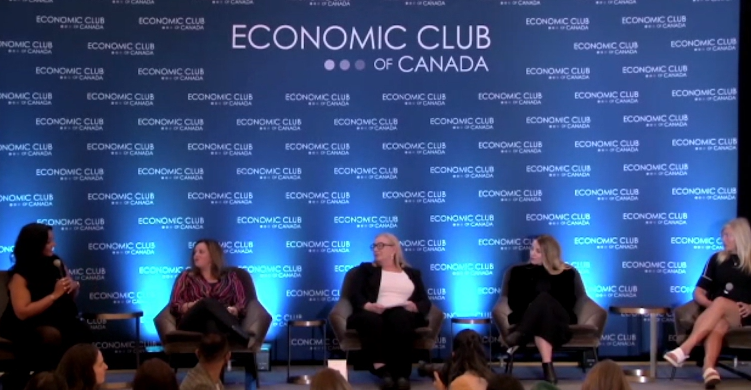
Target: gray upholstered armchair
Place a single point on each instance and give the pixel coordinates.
(256, 323)
(684, 318)
(587, 332)
(348, 339)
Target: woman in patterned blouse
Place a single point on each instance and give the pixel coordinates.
(208, 298)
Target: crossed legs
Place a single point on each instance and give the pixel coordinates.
(710, 327)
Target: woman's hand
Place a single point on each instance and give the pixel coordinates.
(232, 310)
(61, 288)
(186, 306)
(73, 286)
(437, 383)
(410, 306)
(745, 309)
(374, 307)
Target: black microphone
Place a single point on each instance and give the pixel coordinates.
(60, 269)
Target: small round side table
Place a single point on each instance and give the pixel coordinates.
(475, 321)
(304, 379)
(640, 375)
(136, 315)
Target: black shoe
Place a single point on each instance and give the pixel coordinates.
(549, 371)
(402, 384)
(514, 338)
(383, 373)
(426, 370)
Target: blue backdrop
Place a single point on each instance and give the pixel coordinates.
(294, 131)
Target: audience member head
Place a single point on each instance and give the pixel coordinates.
(329, 379)
(207, 255)
(83, 367)
(544, 386)
(467, 356)
(606, 375)
(387, 251)
(736, 238)
(46, 380)
(504, 382)
(155, 374)
(546, 251)
(213, 350)
(34, 241)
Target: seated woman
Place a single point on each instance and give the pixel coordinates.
(83, 367)
(389, 302)
(208, 298)
(541, 296)
(42, 317)
(468, 366)
(724, 291)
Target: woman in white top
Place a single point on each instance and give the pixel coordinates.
(389, 302)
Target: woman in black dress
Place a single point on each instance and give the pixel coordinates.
(724, 293)
(42, 317)
(541, 296)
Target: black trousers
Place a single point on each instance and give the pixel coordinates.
(546, 318)
(209, 316)
(40, 347)
(388, 337)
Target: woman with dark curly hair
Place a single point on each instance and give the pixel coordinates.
(83, 367)
(468, 360)
(42, 317)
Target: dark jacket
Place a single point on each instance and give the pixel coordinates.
(368, 283)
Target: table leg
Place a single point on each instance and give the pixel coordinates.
(653, 345)
(138, 342)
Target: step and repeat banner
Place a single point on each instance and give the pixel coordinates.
(295, 131)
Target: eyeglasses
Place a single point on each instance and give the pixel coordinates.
(379, 245)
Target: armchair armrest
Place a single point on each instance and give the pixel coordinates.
(165, 323)
(684, 317)
(588, 312)
(338, 318)
(257, 323)
(500, 314)
(435, 321)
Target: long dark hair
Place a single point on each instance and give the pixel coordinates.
(467, 355)
(46, 380)
(217, 257)
(77, 367)
(30, 244)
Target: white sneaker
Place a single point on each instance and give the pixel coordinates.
(676, 357)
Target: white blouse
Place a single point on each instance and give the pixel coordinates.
(396, 288)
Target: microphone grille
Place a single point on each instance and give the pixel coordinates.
(729, 287)
(57, 263)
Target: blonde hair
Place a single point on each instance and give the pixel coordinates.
(742, 235)
(329, 379)
(215, 252)
(606, 375)
(399, 259)
(551, 254)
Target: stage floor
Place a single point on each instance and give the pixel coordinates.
(570, 378)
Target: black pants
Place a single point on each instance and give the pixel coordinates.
(209, 316)
(546, 318)
(40, 347)
(388, 337)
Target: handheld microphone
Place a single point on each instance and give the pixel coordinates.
(59, 265)
(728, 288)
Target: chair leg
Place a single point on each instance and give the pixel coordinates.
(583, 361)
(597, 356)
(672, 373)
(510, 364)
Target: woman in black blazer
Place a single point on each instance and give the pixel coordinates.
(389, 302)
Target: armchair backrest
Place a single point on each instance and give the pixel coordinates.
(4, 296)
(579, 290)
(348, 285)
